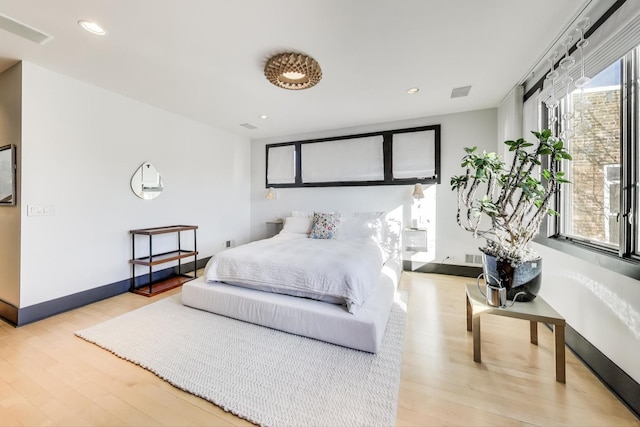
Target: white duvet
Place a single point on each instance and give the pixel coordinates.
(335, 271)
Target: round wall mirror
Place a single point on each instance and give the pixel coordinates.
(146, 182)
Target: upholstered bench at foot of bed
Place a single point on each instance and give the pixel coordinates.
(315, 319)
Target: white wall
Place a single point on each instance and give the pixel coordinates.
(601, 305)
(81, 145)
(10, 116)
(458, 131)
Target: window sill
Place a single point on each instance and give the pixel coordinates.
(626, 266)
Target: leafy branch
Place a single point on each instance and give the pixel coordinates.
(514, 200)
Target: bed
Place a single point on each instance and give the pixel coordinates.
(329, 277)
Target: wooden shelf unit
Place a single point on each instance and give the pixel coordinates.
(153, 259)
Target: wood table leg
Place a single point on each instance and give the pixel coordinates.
(477, 357)
(558, 334)
(469, 314)
(533, 326)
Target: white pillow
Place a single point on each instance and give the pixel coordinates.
(297, 225)
(361, 225)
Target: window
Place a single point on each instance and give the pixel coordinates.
(357, 159)
(400, 156)
(611, 220)
(599, 218)
(282, 160)
(590, 123)
(599, 210)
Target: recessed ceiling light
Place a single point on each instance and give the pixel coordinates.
(264, 117)
(92, 27)
(413, 90)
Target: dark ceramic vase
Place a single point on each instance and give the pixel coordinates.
(526, 277)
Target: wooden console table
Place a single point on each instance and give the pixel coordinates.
(153, 259)
(534, 311)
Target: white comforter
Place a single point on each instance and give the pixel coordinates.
(336, 271)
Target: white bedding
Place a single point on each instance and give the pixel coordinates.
(314, 319)
(336, 271)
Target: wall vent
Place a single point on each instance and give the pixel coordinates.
(248, 126)
(23, 30)
(468, 258)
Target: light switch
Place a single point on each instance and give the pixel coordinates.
(45, 210)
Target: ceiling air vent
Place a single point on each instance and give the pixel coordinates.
(460, 92)
(248, 126)
(23, 30)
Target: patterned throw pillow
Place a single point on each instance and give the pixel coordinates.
(325, 225)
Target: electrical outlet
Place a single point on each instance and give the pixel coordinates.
(227, 244)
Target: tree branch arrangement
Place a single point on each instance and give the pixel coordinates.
(507, 206)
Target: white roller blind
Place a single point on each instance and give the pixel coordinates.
(414, 154)
(357, 159)
(281, 165)
(618, 35)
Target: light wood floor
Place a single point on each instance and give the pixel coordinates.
(50, 377)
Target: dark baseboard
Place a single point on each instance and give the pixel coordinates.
(449, 269)
(8, 313)
(46, 309)
(618, 381)
(22, 316)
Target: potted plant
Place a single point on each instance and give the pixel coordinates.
(506, 207)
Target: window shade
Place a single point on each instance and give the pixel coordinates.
(619, 34)
(357, 159)
(414, 155)
(281, 165)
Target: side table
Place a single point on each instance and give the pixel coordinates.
(152, 259)
(535, 311)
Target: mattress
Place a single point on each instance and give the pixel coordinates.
(310, 318)
(331, 270)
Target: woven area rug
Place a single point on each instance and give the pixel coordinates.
(262, 375)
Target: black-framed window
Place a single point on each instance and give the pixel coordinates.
(599, 210)
(400, 156)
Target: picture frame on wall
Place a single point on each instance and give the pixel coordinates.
(8, 168)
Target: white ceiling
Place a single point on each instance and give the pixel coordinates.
(204, 59)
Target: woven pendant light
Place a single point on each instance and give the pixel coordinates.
(293, 71)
